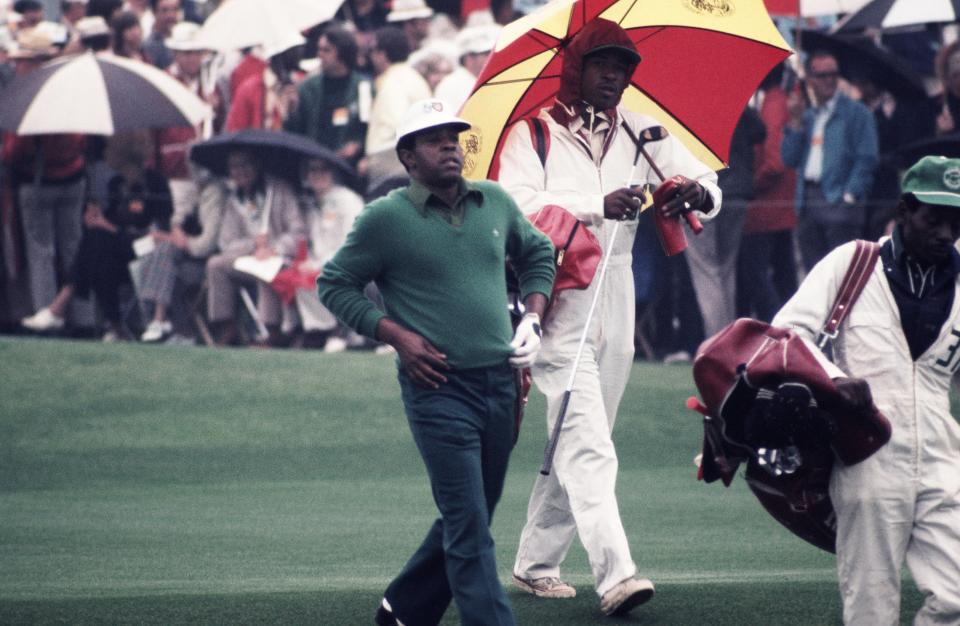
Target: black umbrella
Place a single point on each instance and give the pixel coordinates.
(895, 13)
(943, 145)
(281, 153)
(859, 57)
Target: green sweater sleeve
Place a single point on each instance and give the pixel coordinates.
(344, 277)
(531, 253)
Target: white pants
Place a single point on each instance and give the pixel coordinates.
(579, 494)
(880, 526)
(712, 257)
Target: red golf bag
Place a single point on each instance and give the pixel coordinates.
(767, 402)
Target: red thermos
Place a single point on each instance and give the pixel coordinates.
(669, 229)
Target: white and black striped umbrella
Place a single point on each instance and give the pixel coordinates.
(893, 13)
(97, 95)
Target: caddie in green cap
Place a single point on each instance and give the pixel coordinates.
(898, 349)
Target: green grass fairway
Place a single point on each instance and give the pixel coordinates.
(162, 485)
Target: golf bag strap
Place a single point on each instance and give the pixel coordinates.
(861, 267)
(541, 138)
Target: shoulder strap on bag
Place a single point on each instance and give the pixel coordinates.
(541, 138)
(861, 267)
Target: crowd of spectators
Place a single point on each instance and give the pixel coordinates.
(75, 261)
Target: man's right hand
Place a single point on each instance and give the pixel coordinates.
(422, 362)
(623, 203)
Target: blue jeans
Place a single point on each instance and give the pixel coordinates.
(464, 431)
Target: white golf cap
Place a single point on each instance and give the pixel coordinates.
(478, 39)
(185, 37)
(429, 114)
(93, 26)
(403, 10)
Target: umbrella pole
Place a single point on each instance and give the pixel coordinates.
(551, 448)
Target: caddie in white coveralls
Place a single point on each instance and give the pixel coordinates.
(586, 168)
(900, 345)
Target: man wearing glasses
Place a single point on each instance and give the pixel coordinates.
(833, 146)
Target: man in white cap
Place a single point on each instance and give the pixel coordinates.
(397, 86)
(172, 144)
(475, 44)
(436, 250)
(900, 348)
(94, 34)
(413, 17)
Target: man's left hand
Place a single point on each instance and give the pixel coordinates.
(526, 341)
(855, 393)
(690, 196)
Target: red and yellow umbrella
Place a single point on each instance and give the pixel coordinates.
(701, 62)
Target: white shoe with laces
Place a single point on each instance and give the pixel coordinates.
(546, 587)
(626, 595)
(156, 331)
(42, 321)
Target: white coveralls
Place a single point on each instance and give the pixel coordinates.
(903, 502)
(579, 494)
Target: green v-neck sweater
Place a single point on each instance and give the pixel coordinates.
(444, 282)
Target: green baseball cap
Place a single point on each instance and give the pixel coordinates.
(934, 180)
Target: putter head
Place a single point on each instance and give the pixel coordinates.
(653, 133)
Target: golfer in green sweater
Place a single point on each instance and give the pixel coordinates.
(436, 250)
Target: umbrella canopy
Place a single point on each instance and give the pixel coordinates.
(944, 145)
(860, 57)
(244, 23)
(812, 8)
(279, 151)
(701, 62)
(894, 13)
(97, 95)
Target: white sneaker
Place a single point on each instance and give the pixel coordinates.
(110, 337)
(626, 595)
(335, 344)
(546, 587)
(43, 320)
(156, 331)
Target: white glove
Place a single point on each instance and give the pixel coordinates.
(526, 341)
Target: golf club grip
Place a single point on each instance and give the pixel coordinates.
(555, 435)
(694, 222)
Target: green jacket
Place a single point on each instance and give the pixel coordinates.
(445, 282)
(332, 120)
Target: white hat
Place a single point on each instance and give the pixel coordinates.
(57, 32)
(92, 26)
(33, 43)
(185, 38)
(478, 39)
(404, 10)
(426, 114)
